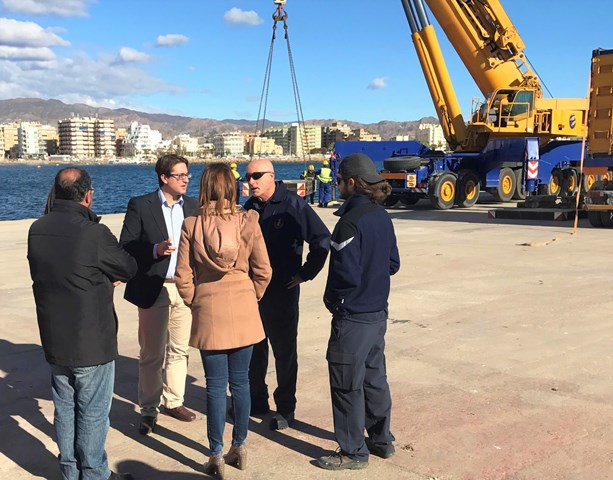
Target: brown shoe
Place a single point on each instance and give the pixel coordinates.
(237, 457)
(215, 466)
(181, 413)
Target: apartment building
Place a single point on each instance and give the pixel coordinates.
(431, 135)
(104, 138)
(263, 146)
(10, 137)
(229, 144)
(281, 137)
(141, 139)
(29, 140)
(304, 138)
(186, 145)
(86, 137)
(335, 132)
(360, 134)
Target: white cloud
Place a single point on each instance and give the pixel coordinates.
(27, 53)
(378, 83)
(129, 55)
(171, 40)
(80, 79)
(28, 34)
(62, 8)
(241, 17)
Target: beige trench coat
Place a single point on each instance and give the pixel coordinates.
(214, 258)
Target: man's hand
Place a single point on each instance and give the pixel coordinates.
(166, 247)
(116, 283)
(295, 281)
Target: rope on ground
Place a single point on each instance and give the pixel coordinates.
(539, 244)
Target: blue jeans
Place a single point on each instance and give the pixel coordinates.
(219, 366)
(82, 398)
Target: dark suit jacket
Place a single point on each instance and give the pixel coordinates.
(144, 226)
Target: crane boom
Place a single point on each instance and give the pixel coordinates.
(487, 43)
(493, 52)
(436, 74)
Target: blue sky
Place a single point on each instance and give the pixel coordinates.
(354, 59)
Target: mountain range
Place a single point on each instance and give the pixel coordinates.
(50, 111)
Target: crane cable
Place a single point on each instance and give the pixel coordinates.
(280, 15)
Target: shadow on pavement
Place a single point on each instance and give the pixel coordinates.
(25, 383)
(142, 471)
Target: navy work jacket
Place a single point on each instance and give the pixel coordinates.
(287, 221)
(363, 256)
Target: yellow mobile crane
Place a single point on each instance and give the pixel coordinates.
(489, 151)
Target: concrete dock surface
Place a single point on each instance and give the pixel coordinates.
(499, 355)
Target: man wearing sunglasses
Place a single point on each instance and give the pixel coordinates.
(151, 232)
(287, 222)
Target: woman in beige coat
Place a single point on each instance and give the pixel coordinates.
(222, 272)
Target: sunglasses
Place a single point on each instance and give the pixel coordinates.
(255, 175)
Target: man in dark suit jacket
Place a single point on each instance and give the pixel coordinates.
(151, 232)
(75, 261)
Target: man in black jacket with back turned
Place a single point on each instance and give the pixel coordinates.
(75, 262)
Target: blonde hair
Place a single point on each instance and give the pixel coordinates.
(217, 184)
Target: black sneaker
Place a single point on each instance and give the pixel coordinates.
(380, 450)
(281, 421)
(338, 461)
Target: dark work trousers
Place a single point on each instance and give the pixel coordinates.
(279, 312)
(358, 382)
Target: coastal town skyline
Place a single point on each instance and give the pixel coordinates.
(353, 61)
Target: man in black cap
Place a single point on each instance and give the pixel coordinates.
(363, 256)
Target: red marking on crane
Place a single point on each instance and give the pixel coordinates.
(533, 168)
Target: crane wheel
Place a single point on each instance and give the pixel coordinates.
(588, 181)
(468, 187)
(594, 217)
(570, 181)
(506, 185)
(442, 191)
(520, 193)
(554, 187)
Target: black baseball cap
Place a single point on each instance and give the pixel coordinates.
(359, 165)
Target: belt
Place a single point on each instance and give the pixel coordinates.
(168, 280)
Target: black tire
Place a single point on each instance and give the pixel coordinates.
(587, 181)
(506, 185)
(519, 193)
(594, 219)
(606, 218)
(408, 200)
(570, 182)
(400, 164)
(554, 187)
(442, 191)
(391, 200)
(468, 188)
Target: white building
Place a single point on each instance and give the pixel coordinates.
(141, 139)
(229, 144)
(186, 144)
(431, 135)
(29, 139)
